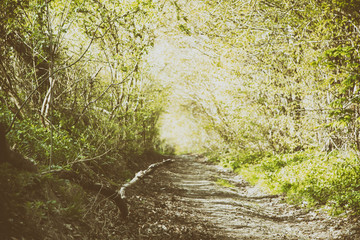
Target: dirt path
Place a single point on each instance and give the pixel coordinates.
(182, 201)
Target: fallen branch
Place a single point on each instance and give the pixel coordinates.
(79, 175)
(139, 175)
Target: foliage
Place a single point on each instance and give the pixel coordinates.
(283, 79)
(73, 85)
(308, 178)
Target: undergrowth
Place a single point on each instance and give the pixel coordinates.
(310, 178)
(37, 206)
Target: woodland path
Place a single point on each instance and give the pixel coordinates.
(182, 200)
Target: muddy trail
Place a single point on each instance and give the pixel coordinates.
(182, 200)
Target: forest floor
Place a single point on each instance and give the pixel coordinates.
(182, 200)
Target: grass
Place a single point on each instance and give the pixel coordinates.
(312, 178)
(224, 183)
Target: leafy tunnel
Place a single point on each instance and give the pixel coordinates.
(99, 89)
